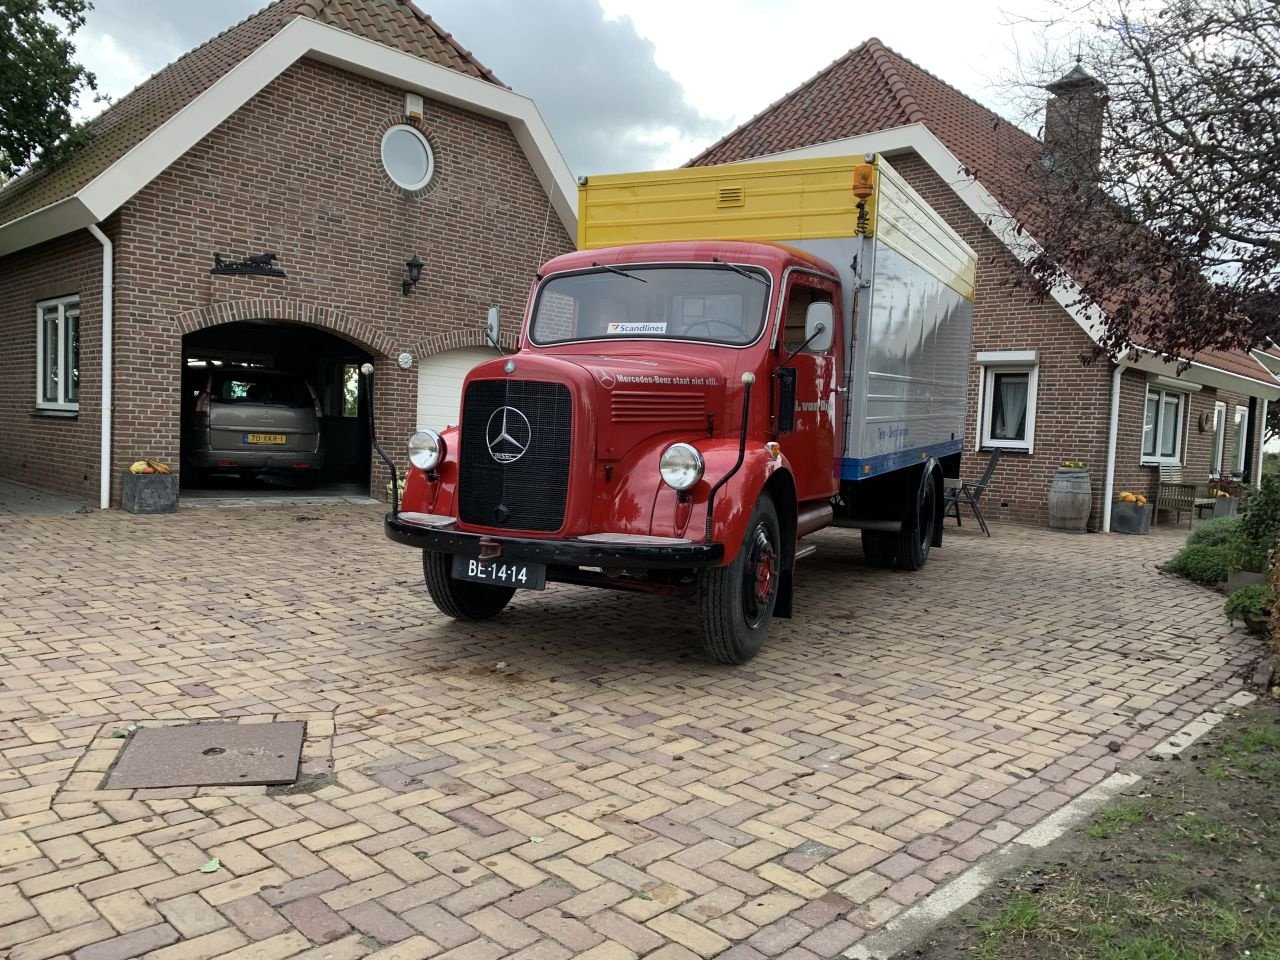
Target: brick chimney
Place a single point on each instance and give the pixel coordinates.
(1073, 124)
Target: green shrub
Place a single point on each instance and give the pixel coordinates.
(1260, 524)
(1200, 563)
(1251, 603)
(1214, 532)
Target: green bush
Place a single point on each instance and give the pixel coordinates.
(1251, 603)
(1260, 524)
(1200, 563)
(1214, 532)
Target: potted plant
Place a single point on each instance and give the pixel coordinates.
(1252, 604)
(1131, 514)
(1070, 497)
(149, 487)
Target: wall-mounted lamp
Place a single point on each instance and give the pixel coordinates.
(415, 274)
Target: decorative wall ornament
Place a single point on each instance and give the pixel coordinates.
(252, 266)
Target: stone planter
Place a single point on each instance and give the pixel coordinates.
(150, 492)
(1226, 506)
(1243, 578)
(1070, 500)
(1131, 517)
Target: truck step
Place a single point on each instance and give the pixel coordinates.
(806, 550)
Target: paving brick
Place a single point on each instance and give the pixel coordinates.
(252, 915)
(129, 945)
(377, 922)
(129, 910)
(442, 927)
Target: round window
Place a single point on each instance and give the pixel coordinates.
(407, 158)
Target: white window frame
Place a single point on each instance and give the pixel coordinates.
(61, 403)
(1163, 390)
(1242, 431)
(1219, 451)
(422, 141)
(994, 362)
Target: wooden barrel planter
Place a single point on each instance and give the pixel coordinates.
(1070, 500)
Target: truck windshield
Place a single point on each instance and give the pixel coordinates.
(713, 303)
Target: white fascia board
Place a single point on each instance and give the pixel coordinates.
(1203, 375)
(918, 138)
(1269, 363)
(55, 220)
(299, 38)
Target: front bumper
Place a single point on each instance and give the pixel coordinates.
(645, 553)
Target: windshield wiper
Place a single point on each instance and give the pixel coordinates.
(737, 269)
(621, 273)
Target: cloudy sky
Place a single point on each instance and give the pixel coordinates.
(632, 84)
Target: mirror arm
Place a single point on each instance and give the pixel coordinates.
(817, 330)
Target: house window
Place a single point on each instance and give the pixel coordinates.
(1162, 426)
(1219, 438)
(58, 354)
(1241, 441)
(407, 157)
(1008, 399)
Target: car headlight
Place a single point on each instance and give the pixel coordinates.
(426, 449)
(681, 466)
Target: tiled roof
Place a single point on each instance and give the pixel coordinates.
(872, 88)
(126, 123)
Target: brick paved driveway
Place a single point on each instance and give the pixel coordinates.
(571, 779)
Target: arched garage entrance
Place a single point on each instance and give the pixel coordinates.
(440, 379)
(270, 407)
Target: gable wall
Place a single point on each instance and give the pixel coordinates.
(296, 171)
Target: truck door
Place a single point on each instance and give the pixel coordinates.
(809, 415)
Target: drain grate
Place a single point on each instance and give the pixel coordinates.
(209, 755)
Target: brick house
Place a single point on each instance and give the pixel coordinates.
(348, 138)
(1029, 391)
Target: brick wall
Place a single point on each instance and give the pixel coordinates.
(296, 171)
(59, 454)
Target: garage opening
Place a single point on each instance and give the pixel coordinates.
(272, 409)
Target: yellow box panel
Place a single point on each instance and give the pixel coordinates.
(777, 200)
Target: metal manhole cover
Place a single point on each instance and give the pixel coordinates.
(208, 755)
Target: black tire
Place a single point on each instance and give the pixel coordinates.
(461, 599)
(917, 532)
(880, 549)
(736, 602)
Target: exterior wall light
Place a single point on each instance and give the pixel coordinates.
(414, 266)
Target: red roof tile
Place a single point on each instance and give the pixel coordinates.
(872, 88)
(126, 123)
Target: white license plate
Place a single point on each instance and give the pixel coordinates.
(500, 573)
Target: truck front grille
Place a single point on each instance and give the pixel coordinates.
(514, 461)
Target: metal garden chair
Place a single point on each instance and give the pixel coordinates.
(957, 492)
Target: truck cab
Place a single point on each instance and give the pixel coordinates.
(673, 423)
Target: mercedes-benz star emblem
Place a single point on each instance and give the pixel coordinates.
(508, 434)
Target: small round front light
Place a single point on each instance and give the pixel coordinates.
(426, 449)
(681, 466)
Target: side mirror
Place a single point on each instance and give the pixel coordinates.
(819, 327)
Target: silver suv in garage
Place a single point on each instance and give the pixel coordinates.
(248, 420)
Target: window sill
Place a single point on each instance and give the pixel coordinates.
(52, 414)
(988, 447)
(1159, 463)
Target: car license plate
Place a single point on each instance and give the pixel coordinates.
(264, 438)
(500, 573)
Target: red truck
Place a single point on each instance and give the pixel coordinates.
(785, 349)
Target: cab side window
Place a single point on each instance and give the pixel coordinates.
(798, 301)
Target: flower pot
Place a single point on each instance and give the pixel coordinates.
(150, 492)
(1131, 517)
(1243, 578)
(1226, 506)
(1070, 500)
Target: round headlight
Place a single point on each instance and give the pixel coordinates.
(426, 449)
(681, 466)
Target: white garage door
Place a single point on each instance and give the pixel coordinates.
(440, 379)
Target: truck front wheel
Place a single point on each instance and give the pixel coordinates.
(461, 599)
(736, 601)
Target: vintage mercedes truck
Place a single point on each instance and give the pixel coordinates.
(736, 358)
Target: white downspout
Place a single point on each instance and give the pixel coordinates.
(1109, 483)
(108, 280)
(1262, 443)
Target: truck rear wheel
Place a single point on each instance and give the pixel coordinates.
(917, 532)
(879, 548)
(736, 601)
(461, 599)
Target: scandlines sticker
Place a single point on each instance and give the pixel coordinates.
(616, 328)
